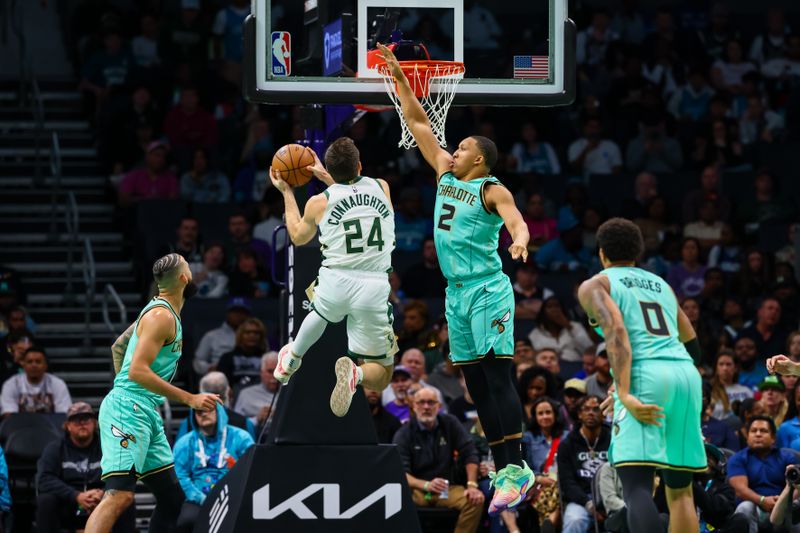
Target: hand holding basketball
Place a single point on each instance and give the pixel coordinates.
(277, 180)
(318, 169)
(292, 162)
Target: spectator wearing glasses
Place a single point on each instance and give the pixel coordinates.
(68, 473)
(428, 446)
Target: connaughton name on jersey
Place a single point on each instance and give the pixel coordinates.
(357, 200)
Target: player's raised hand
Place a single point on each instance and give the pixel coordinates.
(318, 169)
(391, 61)
(204, 402)
(644, 413)
(518, 251)
(780, 364)
(277, 181)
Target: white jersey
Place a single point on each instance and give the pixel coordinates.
(357, 228)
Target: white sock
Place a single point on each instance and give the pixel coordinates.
(360, 375)
(310, 331)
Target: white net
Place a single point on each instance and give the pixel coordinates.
(437, 81)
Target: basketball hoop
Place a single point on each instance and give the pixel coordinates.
(434, 83)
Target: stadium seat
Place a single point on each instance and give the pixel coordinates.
(22, 450)
(38, 421)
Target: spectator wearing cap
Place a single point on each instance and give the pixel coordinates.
(598, 383)
(221, 340)
(773, 397)
(211, 280)
(425, 279)
(716, 431)
(242, 365)
(203, 457)
(557, 332)
(528, 294)
(524, 352)
(216, 383)
(767, 332)
(256, 402)
(567, 252)
(398, 405)
(68, 476)
(592, 153)
(108, 68)
(35, 390)
(574, 392)
(757, 472)
(714, 497)
(153, 181)
(386, 424)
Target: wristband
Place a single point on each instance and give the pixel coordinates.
(425, 486)
(761, 501)
(473, 484)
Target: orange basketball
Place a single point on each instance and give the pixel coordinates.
(291, 161)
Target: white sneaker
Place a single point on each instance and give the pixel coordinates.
(288, 364)
(346, 383)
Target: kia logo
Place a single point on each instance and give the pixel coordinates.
(390, 493)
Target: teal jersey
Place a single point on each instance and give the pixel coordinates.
(165, 363)
(465, 232)
(650, 313)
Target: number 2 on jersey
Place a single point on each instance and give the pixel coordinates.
(448, 212)
(652, 310)
(354, 233)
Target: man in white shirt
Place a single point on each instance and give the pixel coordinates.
(221, 340)
(256, 401)
(35, 390)
(591, 154)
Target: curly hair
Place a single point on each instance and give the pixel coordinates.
(620, 240)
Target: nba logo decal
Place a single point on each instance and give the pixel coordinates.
(281, 53)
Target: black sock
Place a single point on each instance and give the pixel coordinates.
(499, 454)
(513, 448)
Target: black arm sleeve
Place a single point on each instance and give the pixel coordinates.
(49, 474)
(693, 347)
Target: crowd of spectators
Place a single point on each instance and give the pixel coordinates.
(674, 94)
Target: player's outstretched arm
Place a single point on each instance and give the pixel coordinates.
(499, 199)
(596, 299)
(301, 228)
(120, 346)
(156, 328)
(418, 122)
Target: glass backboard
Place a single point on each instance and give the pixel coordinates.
(318, 51)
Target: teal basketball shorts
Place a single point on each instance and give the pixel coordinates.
(677, 444)
(132, 436)
(480, 317)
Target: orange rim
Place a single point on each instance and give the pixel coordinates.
(423, 70)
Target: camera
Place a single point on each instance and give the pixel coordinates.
(793, 475)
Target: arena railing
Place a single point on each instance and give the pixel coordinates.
(55, 189)
(72, 223)
(90, 280)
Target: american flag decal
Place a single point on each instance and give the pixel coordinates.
(535, 67)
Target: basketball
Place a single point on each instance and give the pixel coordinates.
(291, 161)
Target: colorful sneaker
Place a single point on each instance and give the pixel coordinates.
(288, 363)
(511, 485)
(346, 383)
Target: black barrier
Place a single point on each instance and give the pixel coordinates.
(318, 472)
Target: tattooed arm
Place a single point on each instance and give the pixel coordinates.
(120, 346)
(595, 297)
